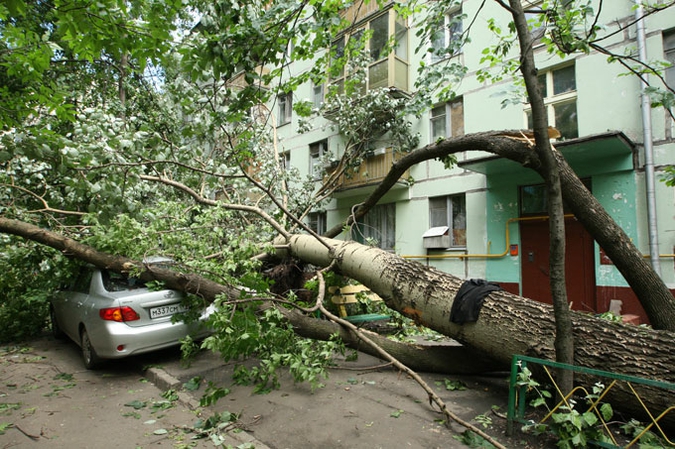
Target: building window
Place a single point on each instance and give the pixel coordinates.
(317, 96)
(533, 199)
(317, 222)
(446, 42)
(288, 53)
(285, 102)
(316, 153)
(285, 160)
(385, 68)
(450, 211)
(559, 89)
(447, 120)
(669, 54)
(378, 227)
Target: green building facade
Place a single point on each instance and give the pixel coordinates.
(486, 217)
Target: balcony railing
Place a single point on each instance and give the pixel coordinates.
(372, 170)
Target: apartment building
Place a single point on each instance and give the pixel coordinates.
(486, 216)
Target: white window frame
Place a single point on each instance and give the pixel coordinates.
(317, 151)
(318, 222)
(451, 30)
(285, 115)
(398, 29)
(451, 129)
(285, 160)
(317, 95)
(551, 99)
(455, 222)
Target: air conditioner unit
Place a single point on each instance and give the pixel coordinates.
(379, 151)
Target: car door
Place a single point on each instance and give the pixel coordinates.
(68, 304)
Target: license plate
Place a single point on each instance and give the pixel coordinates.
(159, 312)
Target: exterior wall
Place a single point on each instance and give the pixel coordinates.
(605, 101)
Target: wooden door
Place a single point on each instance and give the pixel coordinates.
(579, 264)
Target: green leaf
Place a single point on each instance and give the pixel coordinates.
(396, 414)
(606, 411)
(136, 404)
(4, 426)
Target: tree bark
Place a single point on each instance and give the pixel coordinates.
(564, 340)
(650, 289)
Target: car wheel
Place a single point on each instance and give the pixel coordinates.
(89, 356)
(57, 332)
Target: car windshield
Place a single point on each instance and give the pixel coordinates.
(117, 282)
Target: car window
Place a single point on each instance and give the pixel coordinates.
(117, 282)
(82, 281)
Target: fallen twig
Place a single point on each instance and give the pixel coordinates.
(32, 437)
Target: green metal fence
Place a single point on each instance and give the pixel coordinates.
(517, 399)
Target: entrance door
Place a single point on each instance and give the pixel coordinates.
(579, 264)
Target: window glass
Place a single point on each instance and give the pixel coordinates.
(317, 222)
(438, 212)
(669, 53)
(438, 123)
(380, 35)
(543, 88)
(457, 117)
(378, 227)
(447, 41)
(558, 87)
(450, 211)
(533, 200)
(566, 119)
(117, 282)
(401, 39)
(317, 95)
(564, 80)
(316, 152)
(458, 220)
(285, 109)
(285, 160)
(83, 281)
(378, 75)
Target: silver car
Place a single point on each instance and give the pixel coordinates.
(113, 316)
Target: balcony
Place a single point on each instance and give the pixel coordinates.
(371, 172)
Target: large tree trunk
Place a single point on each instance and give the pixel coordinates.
(508, 324)
(650, 289)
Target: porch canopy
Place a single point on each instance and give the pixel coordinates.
(589, 155)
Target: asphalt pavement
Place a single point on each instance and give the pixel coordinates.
(48, 399)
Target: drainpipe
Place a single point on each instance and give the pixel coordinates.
(649, 149)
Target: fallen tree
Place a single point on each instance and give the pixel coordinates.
(508, 324)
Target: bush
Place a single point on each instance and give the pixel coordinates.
(24, 316)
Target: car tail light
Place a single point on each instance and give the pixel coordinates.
(120, 314)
